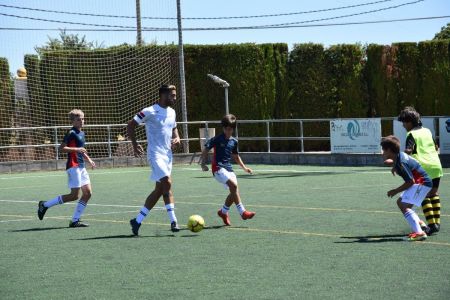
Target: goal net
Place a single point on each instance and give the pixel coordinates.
(110, 84)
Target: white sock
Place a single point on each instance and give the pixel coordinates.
(54, 201)
(240, 207)
(225, 209)
(413, 220)
(171, 212)
(79, 209)
(142, 214)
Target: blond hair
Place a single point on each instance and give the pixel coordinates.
(75, 113)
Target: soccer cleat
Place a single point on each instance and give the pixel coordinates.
(247, 215)
(438, 227)
(77, 224)
(41, 210)
(225, 217)
(174, 227)
(433, 229)
(416, 236)
(135, 226)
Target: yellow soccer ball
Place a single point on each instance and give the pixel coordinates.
(196, 223)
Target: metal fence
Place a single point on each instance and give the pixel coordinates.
(269, 137)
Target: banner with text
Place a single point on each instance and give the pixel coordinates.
(400, 131)
(444, 135)
(355, 135)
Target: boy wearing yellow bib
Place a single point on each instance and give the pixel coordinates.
(421, 145)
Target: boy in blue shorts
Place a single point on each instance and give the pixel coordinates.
(226, 147)
(73, 145)
(415, 188)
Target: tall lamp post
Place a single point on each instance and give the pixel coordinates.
(223, 84)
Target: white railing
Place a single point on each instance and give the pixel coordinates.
(268, 137)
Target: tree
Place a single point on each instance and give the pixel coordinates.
(68, 41)
(444, 33)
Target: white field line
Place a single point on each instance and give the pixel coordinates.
(64, 174)
(32, 218)
(89, 204)
(255, 171)
(249, 205)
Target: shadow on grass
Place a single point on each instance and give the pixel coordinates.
(38, 229)
(123, 236)
(284, 174)
(386, 238)
(158, 235)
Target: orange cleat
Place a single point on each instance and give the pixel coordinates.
(416, 236)
(225, 217)
(247, 215)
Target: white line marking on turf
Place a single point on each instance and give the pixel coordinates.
(32, 218)
(89, 204)
(64, 174)
(255, 171)
(215, 204)
(16, 220)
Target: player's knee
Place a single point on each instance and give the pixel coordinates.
(87, 195)
(234, 190)
(233, 186)
(399, 203)
(166, 184)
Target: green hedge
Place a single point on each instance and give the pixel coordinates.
(266, 82)
(253, 72)
(434, 69)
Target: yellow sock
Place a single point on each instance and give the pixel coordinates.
(428, 211)
(436, 204)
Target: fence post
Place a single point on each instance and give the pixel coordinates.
(207, 132)
(302, 146)
(268, 135)
(108, 128)
(56, 143)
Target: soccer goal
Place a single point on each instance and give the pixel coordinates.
(110, 84)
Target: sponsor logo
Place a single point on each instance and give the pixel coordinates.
(353, 130)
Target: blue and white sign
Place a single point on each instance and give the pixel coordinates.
(444, 135)
(400, 131)
(355, 135)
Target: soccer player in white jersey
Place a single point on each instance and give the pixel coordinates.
(162, 135)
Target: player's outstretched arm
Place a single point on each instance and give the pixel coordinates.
(239, 161)
(204, 159)
(131, 129)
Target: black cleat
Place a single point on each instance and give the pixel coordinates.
(77, 224)
(41, 210)
(174, 227)
(438, 227)
(433, 228)
(135, 226)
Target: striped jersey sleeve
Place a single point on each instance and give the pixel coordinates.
(142, 116)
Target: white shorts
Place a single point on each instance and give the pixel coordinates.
(78, 177)
(161, 167)
(415, 194)
(223, 175)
